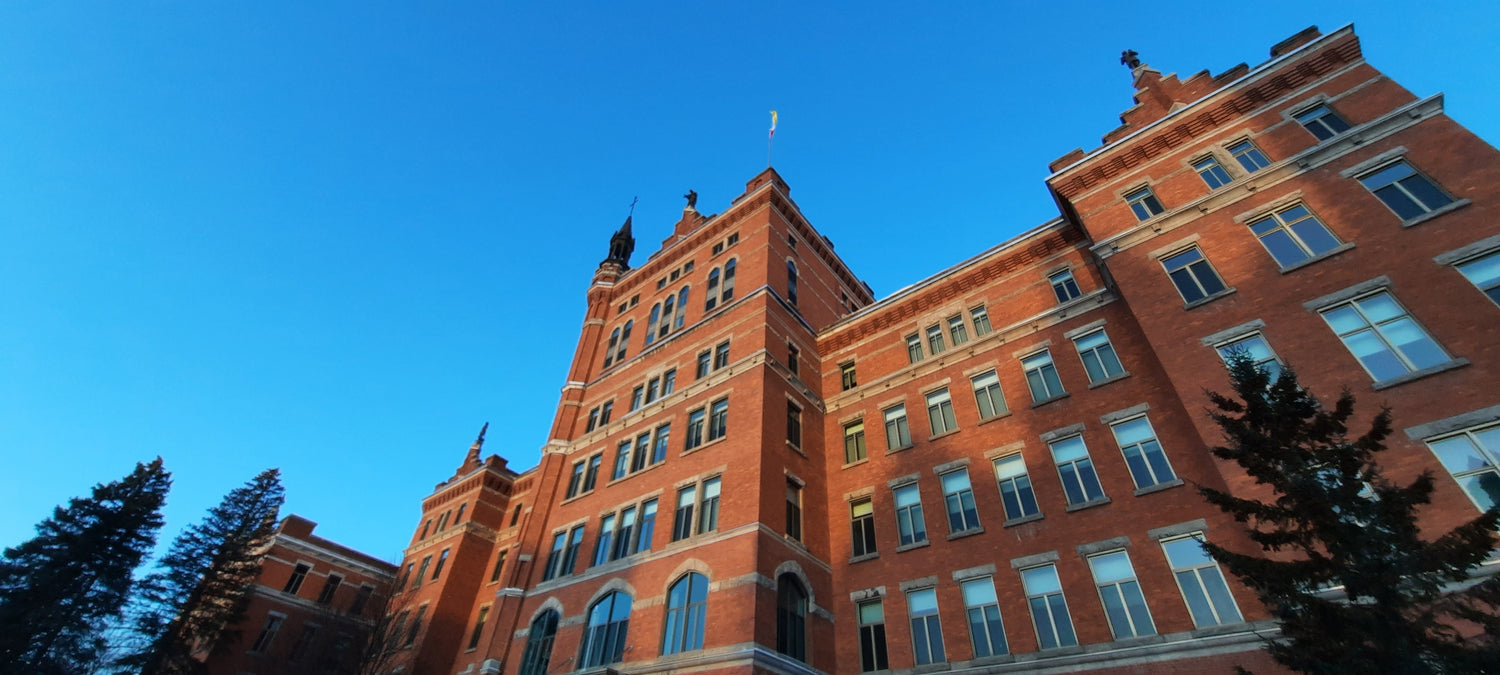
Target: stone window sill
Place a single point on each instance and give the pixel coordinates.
(632, 474)
(1419, 374)
(1444, 210)
(966, 533)
(862, 558)
(1088, 505)
(1022, 520)
(857, 462)
(916, 544)
(993, 418)
(931, 668)
(795, 448)
(1045, 401)
(949, 432)
(1175, 482)
(1319, 257)
(1220, 629)
(702, 446)
(1203, 301)
(893, 451)
(1110, 380)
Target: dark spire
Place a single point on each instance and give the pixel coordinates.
(472, 460)
(1130, 59)
(622, 244)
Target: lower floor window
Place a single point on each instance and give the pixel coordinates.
(1472, 457)
(604, 638)
(872, 654)
(1049, 610)
(926, 631)
(1201, 582)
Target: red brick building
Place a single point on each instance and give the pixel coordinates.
(757, 466)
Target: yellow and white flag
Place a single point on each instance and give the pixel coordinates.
(773, 126)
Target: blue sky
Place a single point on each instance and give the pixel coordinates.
(336, 238)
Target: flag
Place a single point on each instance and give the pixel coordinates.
(773, 126)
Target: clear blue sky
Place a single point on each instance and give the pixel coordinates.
(336, 238)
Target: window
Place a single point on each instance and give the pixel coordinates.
(624, 340)
(1408, 193)
(609, 350)
(647, 529)
(421, 572)
(268, 632)
(791, 283)
(1322, 122)
(682, 524)
(570, 556)
(438, 569)
(605, 543)
(793, 424)
(712, 299)
(1080, 483)
(416, 626)
(1385, 339)
(537, 656)
(299, 573)
(897, 434)
(443, 521)
(653, 389)
(651, 323)
(718, 419)
(484, 613)
(1194, 277)
(988, 395)
(622, 537)
(303, 643)
(668, 381)
(575, 481)
(1257, 349)
(1143, 203)
(1212, 172)
(499, 566)
(592, 475)
(637, 396)
(718, 248)
(687, 612)
(847, 377)
(1064, 286)
(516, 515)
(659, 446)
(1484, 273)
(983, 608)
(425, 527)
(958, 496)
(981, 320)
(1249, 156)
(604, 638)
(1049, 610)
(1041, 377)
(459, 516)
(909, 524)
(727, 293)
(854, 442)
(956, 330)
(642, 452)
(733, 239)
(604, 411)
(913, 348)
(791, 617)
(1470, 457)
(1015, 487)
(668, 309)
(622, 460)
(555, 558)
(702, 371)
(935, 339)
(708, 511)
(1098, 356)
(593, 420)
(926, 631)
(792, 359)
(793, 510)
(862, 526)
(1201, 582)
(1148, 464)
(872, 653)
(940, 412)
(1293, 235)
(694, 429)
(362, 598)
(1124, 605)
(721, 355)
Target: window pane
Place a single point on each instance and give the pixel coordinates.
(1185, 552)
(907, 496)
(1111, 567)
(1458, 454)
(1069, 449)
(1041, 580)
(1010, 467)
(1413, 343)
(980, 592)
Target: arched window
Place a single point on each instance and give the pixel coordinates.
(604, 638)
(609, 352)
(651, 324)
(538, 653)
(728, 293)
(666, 315)
(624, 341)
(682, 301)
(687, 605)
(713, 290)
(791, 617)
(791, 282)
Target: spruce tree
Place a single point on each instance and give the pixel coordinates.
(202, 585)
(58, 590)
(1334, 520)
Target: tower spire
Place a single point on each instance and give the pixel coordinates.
(622, 244)
(471, 461)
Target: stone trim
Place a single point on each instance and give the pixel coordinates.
(1086, 550)
(1229, 334)
(1274, 205)
(903, 481)
(1347, 294)
(974, 572)
(1439, 211)
(1084, 329)
(1174, 247)
(1034, 560)
(919, 584)
(1448, 425)
(858, 493)
(1124, 413)
(1474, 250)
(945, 467)
(1178, 529)
(1414, 375)
(1031, 349)
(1005, 450)
(867, 594)
(1208, 298)
(1374, 162)
(935, 385)
(1318, 258)
(1062, 432)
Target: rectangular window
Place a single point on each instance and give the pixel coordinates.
(913, 348)
(647, 528)
(605, 543)
(668, 381)
(330, 586)
(570, 555)
(1041, 376)
(642, 452)
(653, 389)
(1049, 610)
(1201, 582)
(1124, 605)
(1485, 274)
(1256, 347)
(442, 560)
(897, 433)
(981, 321)
(1249, 156)
(718, 419)
(958, 496)
(659, 445)
(721, 355)
(909, 524)
(1471, 457)
(591, 476)
(956, 330)
(940, 412)
(988, 396)
(362, 598)
(1293, 235)
(1385, 339)
(1080, 483)
(494, 574)
(935, 339)
(555, 557)
(793, 359)
(303, 643)
(1322, 122)
(416, 582)
(623, 543)
(872, 653)
(1148, 464)
(793, 510)
(703, 361)
(854, 442)
(1064, 286)
(983, 609)
(694, 429)
(862, 526)
(793, 424)
(416, 626)
(484, 613)
(593, 420)
(1190, 272)
(926, 631)
(575, 480)
(847, 377)
(637, 396)
(299, 573)
(622, 460)
(1212, 172)
(1408, 193)
(682, 523)
(268, 632)
(1098, 356)
(1144, 204)
(708, 512)
(1015, 487)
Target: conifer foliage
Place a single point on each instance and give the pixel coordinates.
(59, 589)
(203, 583)
(1334, 520)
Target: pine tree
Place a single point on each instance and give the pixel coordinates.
(202, 587)
(59, 589)
(1334, 520)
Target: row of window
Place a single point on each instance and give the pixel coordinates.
(658, 386)
(631, 530)
(331, 658)
(442, 522)
(330, 586)
(957, 333)
(416, 580)
(671, 313)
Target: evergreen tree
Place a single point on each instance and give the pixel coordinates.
(202, 586)
(1333, 519)
(59, 589)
